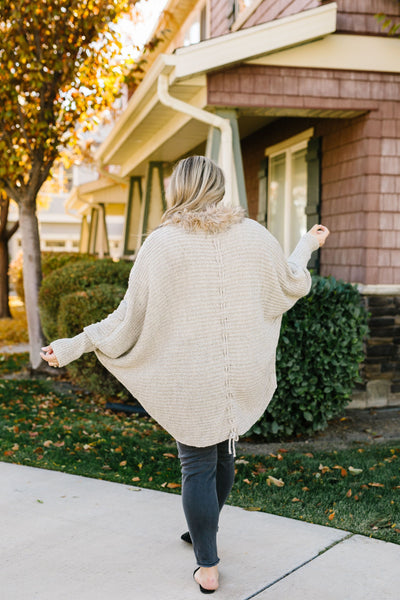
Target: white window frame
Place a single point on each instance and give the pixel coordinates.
(287, 147)
(241, 17)
(193, 18)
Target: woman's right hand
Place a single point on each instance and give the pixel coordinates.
(48, 355)
(320, 232)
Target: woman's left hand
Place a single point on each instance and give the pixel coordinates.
(48, 355)
(320, 232)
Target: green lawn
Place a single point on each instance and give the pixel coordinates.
(356, 489)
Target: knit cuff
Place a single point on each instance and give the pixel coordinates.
(302, 253)
(67, 350)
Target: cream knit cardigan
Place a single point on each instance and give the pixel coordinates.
(195, 336)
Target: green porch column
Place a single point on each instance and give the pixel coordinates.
(98, 236)
(154, 204)
(132, 216)
(213, 150)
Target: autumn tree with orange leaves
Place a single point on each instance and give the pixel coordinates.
(59, 65)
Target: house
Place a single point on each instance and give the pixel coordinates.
(298, 100)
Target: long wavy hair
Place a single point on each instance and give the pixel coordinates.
(196, 184)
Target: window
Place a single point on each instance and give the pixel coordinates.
(197, 27)
(287, 190)
(240, 6)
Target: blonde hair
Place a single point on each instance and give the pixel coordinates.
(196, 184)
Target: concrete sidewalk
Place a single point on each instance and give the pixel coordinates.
(69, 537)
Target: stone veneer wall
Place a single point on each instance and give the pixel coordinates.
(381, 369)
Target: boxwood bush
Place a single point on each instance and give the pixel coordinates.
(78, 309)
(318, 357)
(74, 278)
(50, 262)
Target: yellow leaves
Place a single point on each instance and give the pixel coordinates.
(169, 455)
(252, 508)
(376, 485)
(331, 516)
(349, 493)
(123, 463)
(135, 478)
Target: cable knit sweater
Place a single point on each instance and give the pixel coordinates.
(194, 338)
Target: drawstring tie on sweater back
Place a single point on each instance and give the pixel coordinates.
(233, 438)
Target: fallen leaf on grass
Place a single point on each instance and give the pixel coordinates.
(354, 471)
(135, 478)
(169, 455)
(253, 508)
(331, 516)
(277, 482)
(296, 500)
(309, 455)
(343, 471)
(323, 469)
(172, 486)
(378, 485)
(123, 463)
(247, 481)
(349, 493)
(47, 443)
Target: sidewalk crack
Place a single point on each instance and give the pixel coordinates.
(347, 537)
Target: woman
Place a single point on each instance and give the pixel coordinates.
(194, 338)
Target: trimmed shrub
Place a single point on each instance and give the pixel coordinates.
(50, 262)
(318, 357)
(77, 277)
(82, 308)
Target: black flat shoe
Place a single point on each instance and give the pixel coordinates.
(186, 537)
(203, 590)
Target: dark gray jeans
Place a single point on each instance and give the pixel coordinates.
(207, 479)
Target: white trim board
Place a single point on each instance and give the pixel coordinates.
(340, 51)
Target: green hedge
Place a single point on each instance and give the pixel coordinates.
(82, 308)
(76, 277)
(50, 262)
(318, 357)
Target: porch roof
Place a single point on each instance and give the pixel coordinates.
(150, 131)
(147, 130)
(101, 191)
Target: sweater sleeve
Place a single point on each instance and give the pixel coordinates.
(119, 331)
(68, 349)
(291, 278)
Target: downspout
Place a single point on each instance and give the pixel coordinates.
(206, 117)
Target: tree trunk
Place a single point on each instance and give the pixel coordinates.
(32, 278)
(4, 285)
